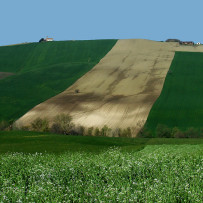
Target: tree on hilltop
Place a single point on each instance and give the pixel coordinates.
(42, 40)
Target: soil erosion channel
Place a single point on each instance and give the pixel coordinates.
(119, 91)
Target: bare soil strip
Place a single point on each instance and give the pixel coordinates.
(119, 91)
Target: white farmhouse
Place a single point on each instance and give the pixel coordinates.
(49, 39)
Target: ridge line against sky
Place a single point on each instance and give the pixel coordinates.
(28, 21)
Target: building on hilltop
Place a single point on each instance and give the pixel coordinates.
(187, 43)
(49, 39)
(181, 42)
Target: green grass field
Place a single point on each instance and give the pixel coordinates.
(31, 142)
(42, 167)
(43, 70)
(181, 101)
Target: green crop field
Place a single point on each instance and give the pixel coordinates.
(42, 167)
(181, 101)
(43, 70)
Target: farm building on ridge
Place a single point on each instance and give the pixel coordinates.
(187, 43)
(49, 39)
(181, 42)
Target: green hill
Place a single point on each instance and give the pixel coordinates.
(181, 101)
(43, 70)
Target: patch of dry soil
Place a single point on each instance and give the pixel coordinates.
(119, 91)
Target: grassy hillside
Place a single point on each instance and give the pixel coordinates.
(43, 70)
(181, 101)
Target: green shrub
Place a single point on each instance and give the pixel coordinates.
(77, 130)
(145, 133)
(90, 131)
(122, 132)
(19, 127)
(97, 132)
(116, 132)
(40, 125)
(163, 131)
(105, 131)
(201, 132)
(27, 128)
(177, 133)
(55, 128)
(128, 132)
(4, 125)
(62, 124)
(81, 130)
(109, 132)
(191, 133)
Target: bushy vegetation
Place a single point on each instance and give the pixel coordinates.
(106, 131)
(156, 174)
(4, 125)
(163, 131)
(43, 70)
(62, 124)
(40, 125)
(180, 103)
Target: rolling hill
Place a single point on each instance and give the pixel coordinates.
(119, 91)
(38, 71)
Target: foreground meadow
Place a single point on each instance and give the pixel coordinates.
(158, 173)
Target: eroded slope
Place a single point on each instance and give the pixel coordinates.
(119, 91)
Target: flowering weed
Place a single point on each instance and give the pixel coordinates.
(165, 173)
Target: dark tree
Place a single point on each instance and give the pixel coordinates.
(42, 40)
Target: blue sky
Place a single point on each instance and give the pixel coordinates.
(30, 20)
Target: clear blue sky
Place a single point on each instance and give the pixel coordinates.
(30, 20)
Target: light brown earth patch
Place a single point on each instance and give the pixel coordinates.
(5, 74)
(119, 91)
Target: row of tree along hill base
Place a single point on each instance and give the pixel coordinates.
(166, 132)
(62, 124)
